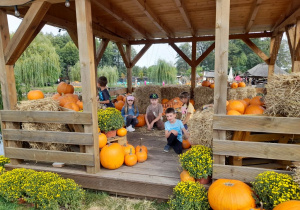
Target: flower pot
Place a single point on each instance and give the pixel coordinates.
(110, 134)
(204, 180)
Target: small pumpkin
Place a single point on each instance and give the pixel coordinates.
(242, 84)
(206, 83)
(212, 85)
(185, 176)
(64, 88)
(257, 100)
(119, 105)
(233, 112)
(112, 156)
(102, 139)
(130, 159)
(141, 155)
(234, 85)
(72, 106)
(80, 104)
(186, 144)
(122, 132)
(236, 105)
(288, 205)
(144, 148)
(141, 120)
(230, 194)
(127, 148)
(192, 102)
(254, 109)
(56, 96)
(164, 101)
(35, 95)
(120, 98)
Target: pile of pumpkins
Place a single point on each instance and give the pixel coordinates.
(206, 83)
(235, 85)
(245, 106)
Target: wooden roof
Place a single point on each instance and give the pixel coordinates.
(122, 20)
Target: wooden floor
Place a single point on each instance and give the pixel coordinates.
(154, 178)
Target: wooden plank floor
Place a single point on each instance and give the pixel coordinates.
(154, 178)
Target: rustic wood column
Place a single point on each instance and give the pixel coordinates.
(193, 68)
(87, 64)
(296, 57)
(274, 48)
(129, 69)
(221, 66)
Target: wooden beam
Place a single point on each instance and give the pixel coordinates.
(121, 16)
(257, 51)
(182, 8)
(100, 51)
(289, 20)
(140, 54)
(26, 30)
(123, 54)
(87, 63)
(296, 54)
(290, 33)
(221, 66)
(184, 57)
(193, 68)
(274, 48)
(253, 14)
(74, 37)
(205, 54)
(7, 3)
(129, 69)
(198, 39)
(142, 4)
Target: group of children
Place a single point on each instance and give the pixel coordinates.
(173, 127)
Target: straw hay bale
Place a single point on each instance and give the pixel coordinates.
(283, 95)
(173, 91)
(142, 95)
(251, 92)
(241, 93)
(296, 174)
(202, 96)
(232, 94)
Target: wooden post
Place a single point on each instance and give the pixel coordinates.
(296, 57)
(274, 48)
(87, 64)
(193, 68)
(221, 66)
(129, 69)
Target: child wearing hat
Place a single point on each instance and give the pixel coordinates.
(130, 113)
(154, 113)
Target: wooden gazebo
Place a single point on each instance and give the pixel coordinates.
(134, 22)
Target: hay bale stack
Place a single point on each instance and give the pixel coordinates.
(251, 92)
(283, 95)
(241, 93)
(46, 104)
(173, 91)
(232, 94)
(296, 174)
(142, 96)
(202, 96)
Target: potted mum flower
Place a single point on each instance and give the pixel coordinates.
(198, 162)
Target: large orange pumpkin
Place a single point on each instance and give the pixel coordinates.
(230, 194)
(64, 88)
(257, 100)
(233, 112)
(236, 105)
(120, 98)
(185, 176)
(244, 102)
(130, 159)
(141, 120)
(112, 156)
(288, 205)
(119, 105)
(192, 102)
(72, 106)
(234, 85)
(56, 96)
(164, 101)
(127, 148)
(254, 109)
(122, 132)
(35, 95)
(80, 104)
(186, 144)
(212, 86)
(68, 98)
(247, 100)
(141, 155)
(206, 83)
(242, 84)
(102, 140)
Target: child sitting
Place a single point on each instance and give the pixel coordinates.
(103, 94)
(187, 108)
(173, 132)
(130, 113)
(154, 113)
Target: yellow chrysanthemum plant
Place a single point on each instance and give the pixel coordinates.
(110, 119)
(3, 161)
(189, 196)
(198, 161)
(273, 188)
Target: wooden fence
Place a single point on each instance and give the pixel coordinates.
(275, 151)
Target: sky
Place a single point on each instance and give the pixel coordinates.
(155, 52)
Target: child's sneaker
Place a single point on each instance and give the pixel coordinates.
(166, 148)
(130, 129)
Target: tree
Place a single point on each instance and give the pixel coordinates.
(75, 74)
(39, 64)
(284, 56)
(163, 71)
(111, 73)
(209, 62)
(181, 65)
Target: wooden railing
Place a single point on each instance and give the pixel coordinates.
(276, 151)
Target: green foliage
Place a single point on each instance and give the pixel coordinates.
(181, 65)
(39, 64)
(274, 188)
(163, 71)
(45, 189)
(111, 73)
(189, 196)
(197, 161)
(110, 119)
(75, 72)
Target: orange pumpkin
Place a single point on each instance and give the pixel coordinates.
(119, 105)
(234, 85)
(164, 101)
(141, 155)
(127, 148)
(233, 112)
(247, 100)
(130, 159)
(236, 105)
(141, 120)
(122, 132)
(72, 106)
(35, 95)
(80, 104)
(185, 176)
(102, 139)
(120, 98)
(212, 86)
(257, 100)
(227, 102)
(254, 109)
(244, 102)
(230, 194)
(64, 88)
(186, 144)
(242, 84)
(288, 205)
(112, 156)
(175, 103)
(56, 96)
(99, 130)
(192, 102)
(141, 147)
(68, 98)
(206, 83)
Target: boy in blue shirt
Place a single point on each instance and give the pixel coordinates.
(103, 94)
(173, 132)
